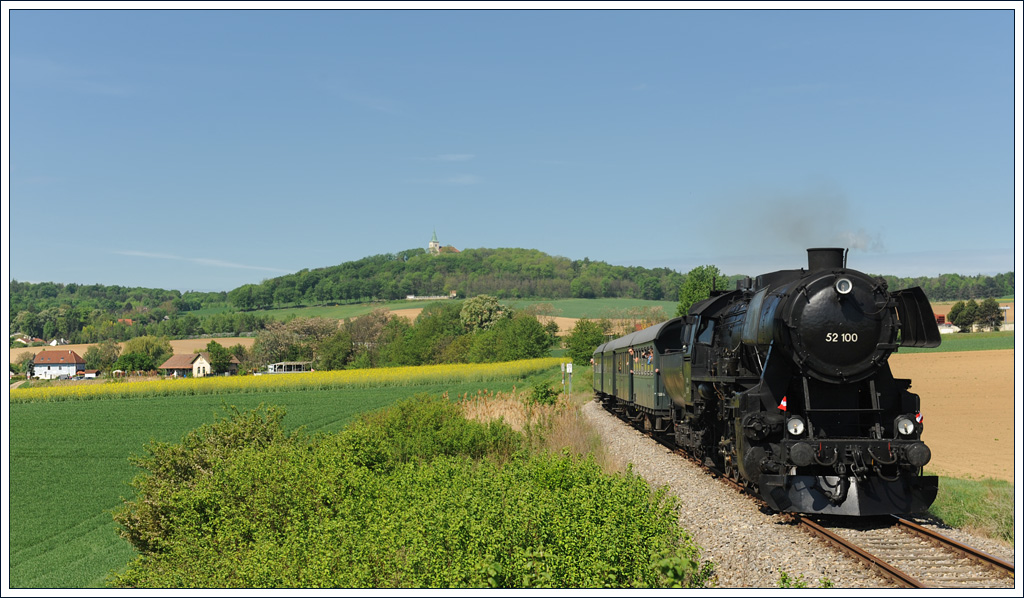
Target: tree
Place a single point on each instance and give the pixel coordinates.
(698, 285)
(580, 343)
(519, 337)
(967, 316)
(220, 357)
(435, 328)
(26, 364)
(102, 356)
(989, 315)
(158, 349)
(134, 362)
(954, 312)
(482, 311)
(650, 288)
(334, 352)
(395, 349)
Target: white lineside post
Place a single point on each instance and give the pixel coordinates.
(568, 368)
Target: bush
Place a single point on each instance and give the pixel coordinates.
(423, 428)
(543, 395)
(146, 523)
(414, 496)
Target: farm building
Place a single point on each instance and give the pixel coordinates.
(195, 365)
(54, 364)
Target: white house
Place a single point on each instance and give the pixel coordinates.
(54, 364)
(195, 365)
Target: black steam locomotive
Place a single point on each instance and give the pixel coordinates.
(784, 385)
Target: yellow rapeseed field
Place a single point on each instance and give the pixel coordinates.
(362, 378)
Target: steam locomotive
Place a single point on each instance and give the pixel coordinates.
(784, 385)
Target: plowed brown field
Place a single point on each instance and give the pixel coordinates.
(967, 399)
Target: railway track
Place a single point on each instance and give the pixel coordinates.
(897, 549)
(910, 555)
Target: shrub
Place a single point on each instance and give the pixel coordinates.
(543, 395)
(400, 499)
(176, 467)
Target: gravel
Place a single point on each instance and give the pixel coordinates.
(750, 547)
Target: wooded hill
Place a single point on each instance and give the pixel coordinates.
(89, 313)
(503, 273)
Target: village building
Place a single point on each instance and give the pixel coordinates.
(434, 247)
(48, 365)
(194, 365)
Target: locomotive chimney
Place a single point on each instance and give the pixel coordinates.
(825, 258)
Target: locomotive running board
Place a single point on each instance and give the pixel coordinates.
(873, 496)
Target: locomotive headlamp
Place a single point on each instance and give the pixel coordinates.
(905, 425)
(844, 286)
(795, 426)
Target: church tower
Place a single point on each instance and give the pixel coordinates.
(434, 248)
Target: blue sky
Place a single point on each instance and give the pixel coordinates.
(206, 149)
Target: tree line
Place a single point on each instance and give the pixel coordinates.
(954, 287)
(85, 325)
(91, 313)
(477, 330)
(966, 314)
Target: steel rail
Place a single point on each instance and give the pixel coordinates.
(899, 577)
(961, 549)
(883, 568)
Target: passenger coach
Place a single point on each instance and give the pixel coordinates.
(631, 369)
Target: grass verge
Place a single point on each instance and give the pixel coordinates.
(969, 341)
(982, 507)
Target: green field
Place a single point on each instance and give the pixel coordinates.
(597, 308)
(566, 308)
(971, 341)
(338, 312)
(69, 467)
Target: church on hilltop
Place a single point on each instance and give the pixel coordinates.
(434, 247)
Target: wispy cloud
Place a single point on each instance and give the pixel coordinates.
(202, 261)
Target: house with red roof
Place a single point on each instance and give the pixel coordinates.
(54, 364)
